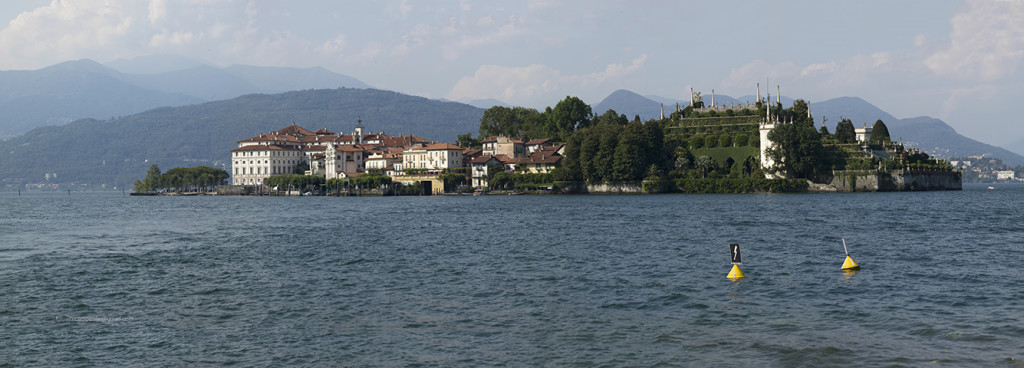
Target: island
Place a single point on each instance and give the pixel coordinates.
(758, 147)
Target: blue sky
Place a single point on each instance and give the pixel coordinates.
(955, 60)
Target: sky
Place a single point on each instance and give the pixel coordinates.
(960, 61)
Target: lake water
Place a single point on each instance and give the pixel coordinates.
(99, 279)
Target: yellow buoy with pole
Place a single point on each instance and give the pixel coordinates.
(735, 273)
(849, 264)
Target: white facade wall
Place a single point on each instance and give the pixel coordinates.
(252, 167)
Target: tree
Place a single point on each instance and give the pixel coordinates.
(467, 141)
(696, 141)
(710, 141)
(611, 117)
(798, 113)
(684, 158)
(797, 151)
(725, 140)
(568, 116)
(498, 120)
(879, 132)
(845, 132)
(570, 169)
(589, 147)
(704, 164)
(152, 180)
(741, 140)
(629, 157)
(300, 168)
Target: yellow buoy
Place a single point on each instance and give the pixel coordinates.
(850, 264)
(736, 273)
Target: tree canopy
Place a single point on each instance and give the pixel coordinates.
(879, 132)
(201, 178)
(845, 132)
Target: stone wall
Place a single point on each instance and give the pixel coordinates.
(927, 180)
(892, 181)
(615, 188)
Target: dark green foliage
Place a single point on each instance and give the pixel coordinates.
(845, 132)
(797, 151)
(725, 140)
(524, 181)
(372, 181)
(711, 140)
(454, 179)
(182, 179)
(630, 156)
(696, 141)
(300, 168)
(741, 140)
(294, 182)
(879, 132)
(611, 117)
(516, 122)
(610, 152)
(704, 165)
(467, 141)
(568, 116)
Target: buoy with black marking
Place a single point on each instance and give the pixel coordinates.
(734, 253)
(849, 264)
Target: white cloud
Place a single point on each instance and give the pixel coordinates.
(987, 41)
(485, 37)
(964, 96)
(745, 77)
(537, 85)
(829, 67)
(333, 46)
(157, 11)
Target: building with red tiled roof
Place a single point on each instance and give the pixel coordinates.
(479, 167)
(332, 155)
(437, 156)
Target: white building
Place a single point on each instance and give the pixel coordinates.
(327, 154)
(863, 133)
(436, 156)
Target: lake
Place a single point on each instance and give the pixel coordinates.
(100, 279)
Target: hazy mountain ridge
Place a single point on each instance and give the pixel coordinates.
(86, 89)
(118, 151)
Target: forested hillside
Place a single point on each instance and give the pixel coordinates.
(118, 151)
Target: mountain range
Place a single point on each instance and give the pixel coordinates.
(117, 151)
(926, 133)
(82, 89)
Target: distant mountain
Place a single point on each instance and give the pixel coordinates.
(204, 82)
(153, 64)
(931, 135)
(279, 79)
(1016, 146)
(631, 104)
(73, 90)
(487, 103)
(86, 89)
(853, 108)
(118, 151)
